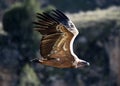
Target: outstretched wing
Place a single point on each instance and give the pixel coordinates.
(56, 37)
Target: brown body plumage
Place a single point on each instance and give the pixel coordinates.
(56, 47)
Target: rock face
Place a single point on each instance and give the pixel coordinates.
(113, 49)
(7, 78)
(10, 60)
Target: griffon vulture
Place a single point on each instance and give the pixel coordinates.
(56, 46)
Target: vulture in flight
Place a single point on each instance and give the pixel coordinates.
(56, 46)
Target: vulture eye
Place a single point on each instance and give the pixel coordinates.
(71, 25)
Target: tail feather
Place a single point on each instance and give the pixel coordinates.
(36, 60)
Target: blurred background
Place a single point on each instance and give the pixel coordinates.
(98, 42)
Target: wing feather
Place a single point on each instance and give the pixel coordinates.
(55, 34)
(47, 44)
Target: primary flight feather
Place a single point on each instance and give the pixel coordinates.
(56, 46)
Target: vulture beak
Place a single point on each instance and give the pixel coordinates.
(83, 64)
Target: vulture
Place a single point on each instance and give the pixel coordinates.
(56, 45)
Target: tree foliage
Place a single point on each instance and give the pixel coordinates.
(17, 23)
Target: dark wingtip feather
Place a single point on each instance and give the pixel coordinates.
(49, 18)
(52, 15)
(56, 15)
(61, 13)
(59, 16)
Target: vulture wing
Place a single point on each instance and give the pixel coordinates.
(56, 37)
(56, 46)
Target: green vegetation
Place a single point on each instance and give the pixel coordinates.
(29, 77)
(17, 23)
(18, 20)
